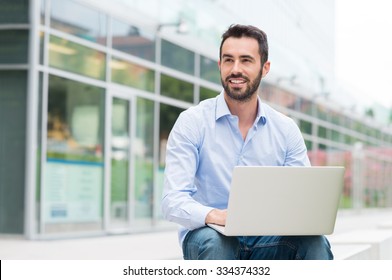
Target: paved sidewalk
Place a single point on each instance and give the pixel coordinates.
(148, 246)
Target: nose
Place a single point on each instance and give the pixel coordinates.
(236, 67)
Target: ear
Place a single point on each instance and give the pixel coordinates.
(219, 64)
(266, 68)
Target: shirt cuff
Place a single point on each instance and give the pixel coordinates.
(200, 213)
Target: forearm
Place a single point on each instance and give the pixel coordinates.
(179, 208)
(182, 158)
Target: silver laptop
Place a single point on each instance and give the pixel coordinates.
(283, 200)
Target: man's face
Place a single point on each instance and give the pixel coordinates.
(240, 68)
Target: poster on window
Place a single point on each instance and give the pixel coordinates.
(72, 192)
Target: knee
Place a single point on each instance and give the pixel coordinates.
(315, 248)
(211, 238)
(206, 243)
(207, 238)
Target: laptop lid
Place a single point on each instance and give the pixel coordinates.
(283, 200)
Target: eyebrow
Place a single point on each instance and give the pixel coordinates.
(241, 56)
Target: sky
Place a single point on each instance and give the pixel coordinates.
(364, 49)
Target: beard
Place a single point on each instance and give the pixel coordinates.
(237, 94)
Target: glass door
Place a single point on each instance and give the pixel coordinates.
(120, 164)
(73, 158)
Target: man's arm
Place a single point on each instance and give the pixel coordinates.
(182, 159)
(296, 154)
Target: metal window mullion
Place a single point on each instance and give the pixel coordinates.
(131, 168)
(196, 85)
(45, 93)
(154, 218)
(31, 125)
(14, 67)
(108, 134)
(107, 161)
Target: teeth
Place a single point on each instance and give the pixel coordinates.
(237, 81)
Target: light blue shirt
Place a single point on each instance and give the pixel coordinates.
(204, 146)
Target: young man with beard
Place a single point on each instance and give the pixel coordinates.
(208, 140)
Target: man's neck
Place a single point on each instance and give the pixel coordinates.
(245, 111)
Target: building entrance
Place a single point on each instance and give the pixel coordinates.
(118, 207)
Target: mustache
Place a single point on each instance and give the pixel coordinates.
(236, 76)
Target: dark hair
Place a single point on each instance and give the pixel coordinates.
(239, 31)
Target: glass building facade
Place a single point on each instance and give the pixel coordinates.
(88, 96)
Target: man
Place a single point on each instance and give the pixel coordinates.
(208, 140)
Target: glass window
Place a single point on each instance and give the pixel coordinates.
(305, 106)
(348, 139)
(359, 127)
(133, 75)
(75, 120)
(144, 159)
(322, 112)
(383, 136)
(348, 123)
(372, 131)
(14, 11)
(270, 93)
(176, 88)
(14, 46)
(76, 58)
(206, 93)
(336, 136)
(73, 180)
(322, 146)
(336, 118)
(387, 138)
(305, 127)
(322, 132)
(42, 11)
(79, 20)
(120, 145)
(309, 145)
(167, 117)
(132, 40)
(13, 105)
(288, 100)
(378, 134)
(178, 58)
(279, 96)
(41, 47)
(209, 70)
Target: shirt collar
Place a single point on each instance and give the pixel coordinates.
(223, 110)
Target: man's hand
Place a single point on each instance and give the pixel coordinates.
(216, 216)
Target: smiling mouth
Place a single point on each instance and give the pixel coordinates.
(237, 81)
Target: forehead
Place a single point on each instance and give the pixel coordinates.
(241, 46)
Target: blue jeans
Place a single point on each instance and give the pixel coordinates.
(207, 244)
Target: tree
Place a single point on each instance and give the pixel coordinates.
(370, 113)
